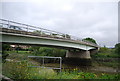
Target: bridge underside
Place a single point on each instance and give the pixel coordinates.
(25, 39)
(83, 50)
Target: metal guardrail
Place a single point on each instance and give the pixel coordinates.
(34, 30)
(43, 62)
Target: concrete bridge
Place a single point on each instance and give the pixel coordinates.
(17, 33)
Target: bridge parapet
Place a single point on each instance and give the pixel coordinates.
(19, 28)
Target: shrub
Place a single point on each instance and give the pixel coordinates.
(19, 70)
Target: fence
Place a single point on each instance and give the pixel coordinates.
(43, 62)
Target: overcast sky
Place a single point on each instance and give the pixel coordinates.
(98, 20)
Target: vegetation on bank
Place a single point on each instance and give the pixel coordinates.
(19, 70)
(105, 52)
(46, 51)
(16, 65)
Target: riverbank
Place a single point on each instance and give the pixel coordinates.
(15, 67)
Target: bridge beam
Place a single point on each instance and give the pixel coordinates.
(85, 54)
(36, 40)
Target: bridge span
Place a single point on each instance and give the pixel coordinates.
(17, 33)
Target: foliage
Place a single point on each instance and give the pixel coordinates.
(90, 40)
(19, 70)
(19, 52)
(75, 74)
(46, 51)
(117, 48)
(5, 47)
(105, 52)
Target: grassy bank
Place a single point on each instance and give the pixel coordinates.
(16, 68)
(19, 70)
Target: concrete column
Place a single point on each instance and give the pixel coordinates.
(78, 54)
(94, 51)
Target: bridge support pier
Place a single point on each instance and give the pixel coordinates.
(93, 51)
(85, 54)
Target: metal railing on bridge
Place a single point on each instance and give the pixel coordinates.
(15, 27)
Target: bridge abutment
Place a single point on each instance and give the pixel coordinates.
(85, 54)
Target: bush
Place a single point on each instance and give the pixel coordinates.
(45, 51)
(104, 50)
(19, 70)
(117, 48)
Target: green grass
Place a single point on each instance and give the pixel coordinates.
(109, 64)
(19, 70)
(20, 56)
(87, 75)
(106, 55)
(18, 52)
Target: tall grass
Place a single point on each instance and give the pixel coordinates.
(19, 70)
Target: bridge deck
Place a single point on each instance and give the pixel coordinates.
(13, 31)
(15, 28)
(28, 33)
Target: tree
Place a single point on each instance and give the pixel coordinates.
(104, 50)
(117, 48)
(5, 47)
(47, 51)
(90, 40)
(35, 49)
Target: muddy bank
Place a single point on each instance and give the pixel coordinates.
(93, 65)
(108, 65)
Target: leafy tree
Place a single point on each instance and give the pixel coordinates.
(58, 52)
(104, 50)
(117, 48)
(35, 49)
(90, 40)
(5, 47)
(46, 51)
